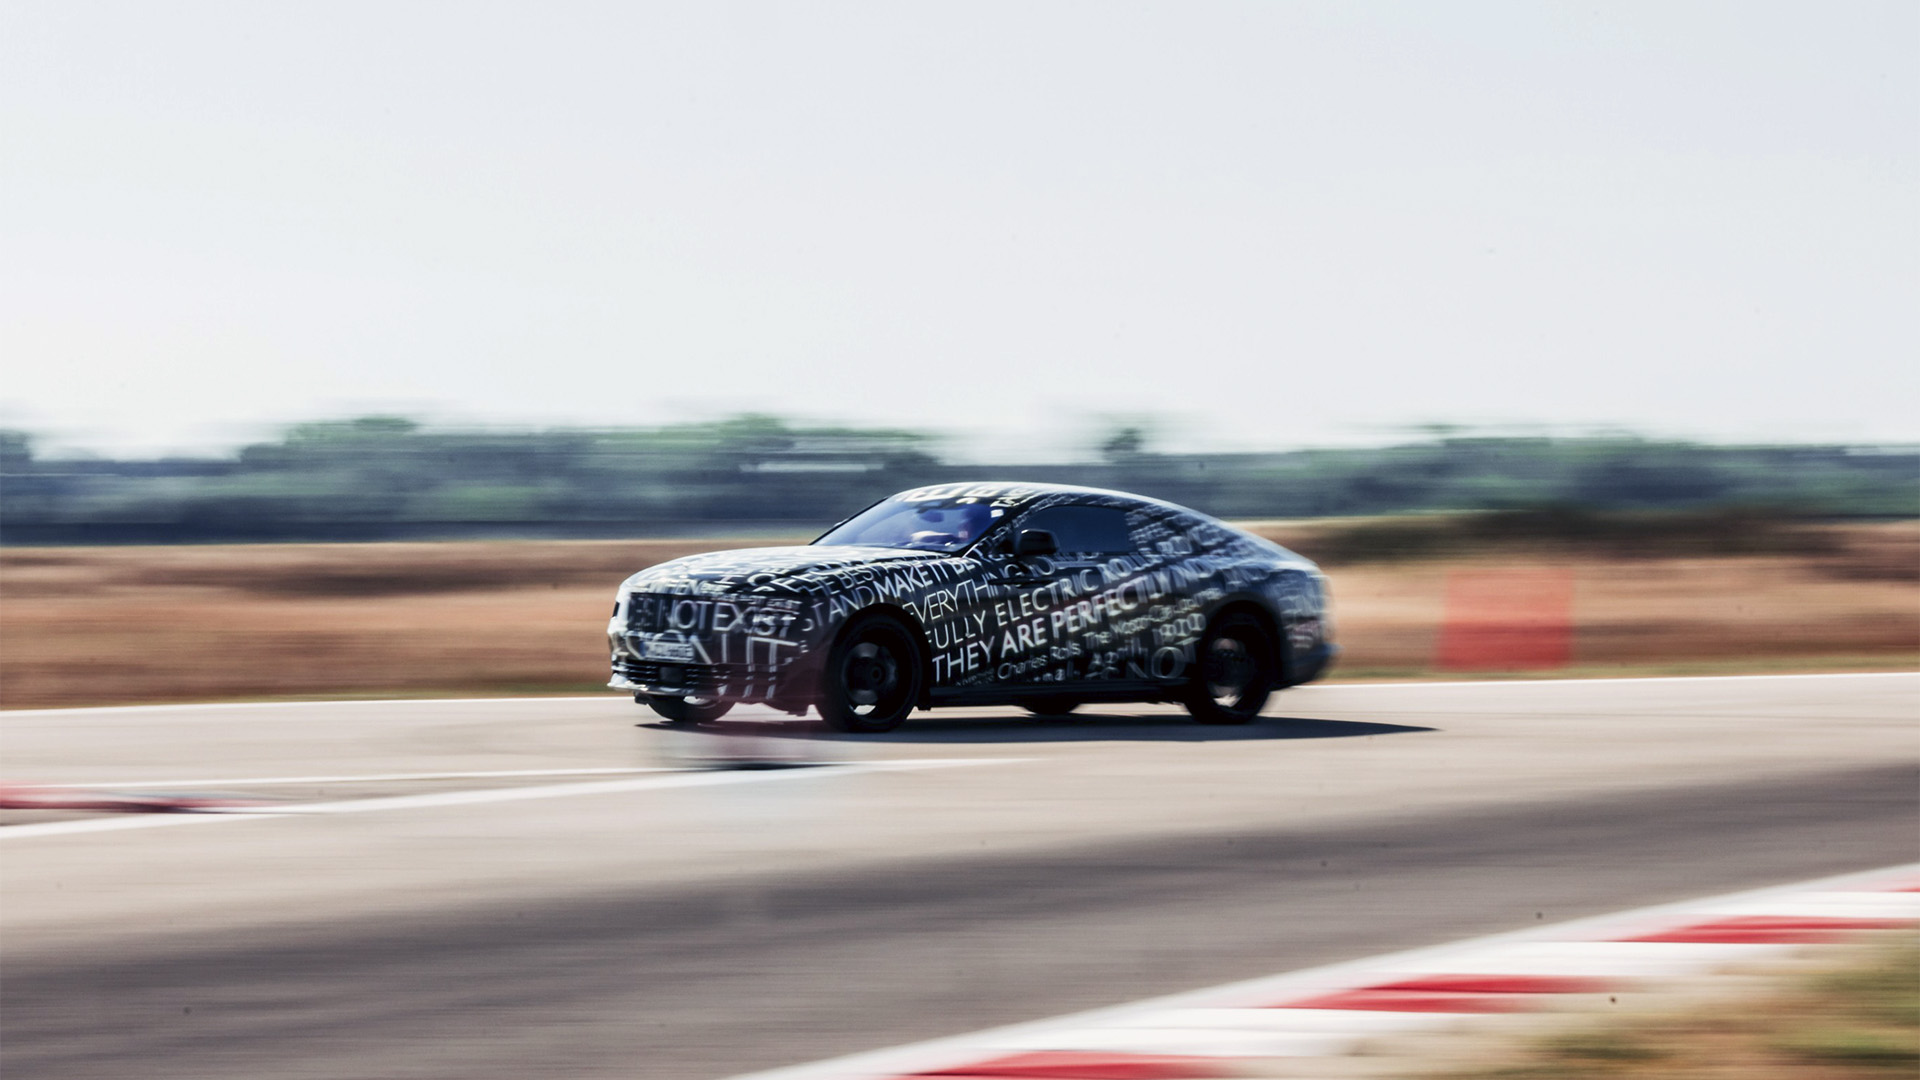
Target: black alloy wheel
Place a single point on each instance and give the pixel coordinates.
(872, 680)
(686, 710)
(1235, 662)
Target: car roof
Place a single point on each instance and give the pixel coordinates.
(1030, 491)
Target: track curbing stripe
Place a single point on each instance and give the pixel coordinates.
(1205, 1029)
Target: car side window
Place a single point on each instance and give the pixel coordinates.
(1100, 529)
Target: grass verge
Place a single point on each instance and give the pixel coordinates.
(1857, 1020)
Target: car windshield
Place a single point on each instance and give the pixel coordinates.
(924, 524)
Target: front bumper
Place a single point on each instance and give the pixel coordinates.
(1313, 663)
(791, 687)
(683, 680)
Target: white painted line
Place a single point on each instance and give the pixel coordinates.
(1330, 1021)
(613, 698)
(485, 795)
(1593, 959)
(1847, 905)
(119, 823)
(1187, 1042)
(369, 778)
(1582, 940)
(608, 787)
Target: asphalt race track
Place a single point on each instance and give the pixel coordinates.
(386, 903)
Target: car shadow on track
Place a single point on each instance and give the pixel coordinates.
(1091, 728)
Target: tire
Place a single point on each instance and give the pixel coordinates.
(682, 710)
(1234, 671)
(1053, 707)
(872, 678)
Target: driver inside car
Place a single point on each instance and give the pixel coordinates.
(952, 525)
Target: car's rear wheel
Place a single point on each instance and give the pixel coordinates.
(1050, 706)
(687, 710)
(1235, 671)
(872, 678)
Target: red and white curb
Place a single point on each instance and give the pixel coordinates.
(1226, 1031)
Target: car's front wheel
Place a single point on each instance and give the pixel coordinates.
(686, 710)
(1236, 671)
(872, 679)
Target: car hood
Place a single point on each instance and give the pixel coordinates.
(768, 569)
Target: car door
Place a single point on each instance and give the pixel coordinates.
(1056, 619)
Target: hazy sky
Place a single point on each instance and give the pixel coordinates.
(1274, 223)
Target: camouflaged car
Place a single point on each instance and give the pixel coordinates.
(1036, 595)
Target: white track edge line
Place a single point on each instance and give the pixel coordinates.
(959, 1049)
(134, 784)
(371, 778)
(611, 698)
(703, 778)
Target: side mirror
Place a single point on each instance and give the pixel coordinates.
(1034, 542)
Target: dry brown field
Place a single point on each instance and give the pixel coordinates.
(115, 625)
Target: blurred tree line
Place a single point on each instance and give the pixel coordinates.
(379, 477)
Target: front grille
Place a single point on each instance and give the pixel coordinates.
(693, 678)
